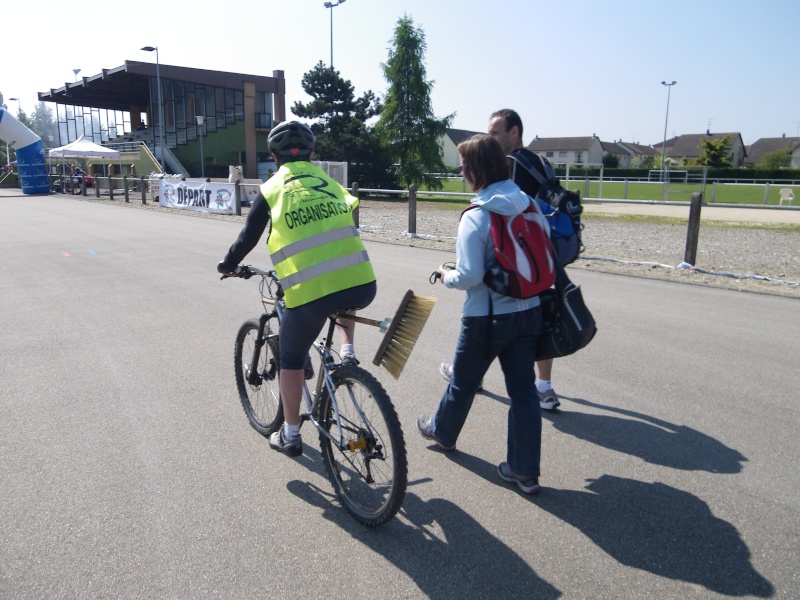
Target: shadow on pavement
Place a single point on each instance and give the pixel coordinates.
(652, 527)
(442, 548)
(653, 440)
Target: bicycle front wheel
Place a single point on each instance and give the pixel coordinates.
(258, 381)
(367, 464)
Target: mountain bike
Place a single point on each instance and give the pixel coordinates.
(360, 437)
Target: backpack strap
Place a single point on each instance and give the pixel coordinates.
(525, 163)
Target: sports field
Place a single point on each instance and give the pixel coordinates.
(727, 193)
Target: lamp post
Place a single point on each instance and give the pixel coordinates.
(160, 103)
(19, 106)
(200, 133)
(666, 120)
(76, 71)
(331, 6)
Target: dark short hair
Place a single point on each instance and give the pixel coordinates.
(484, 158)
(511, 117)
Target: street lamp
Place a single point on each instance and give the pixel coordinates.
(76, 71)
(160, 110)
(666, 120)
(200, 133)
(331, 6)
(19, 106)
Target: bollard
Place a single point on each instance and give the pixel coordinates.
(766, 192)
(144, 190)
(693, 232)
(412, 209)
(354, 193)
(125, 187)
(110, 188)
(96, 187)
(237, 198)
(625, 193)
(83, 185)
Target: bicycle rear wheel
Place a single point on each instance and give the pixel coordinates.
(368, 469)
(259, 385)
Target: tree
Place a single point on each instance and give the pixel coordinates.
(610, 161)
(407, 124)
(341, 130)
(778, 159)
(43, 124)
(716, 153)
(646, 161)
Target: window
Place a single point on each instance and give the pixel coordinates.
(579, 157)
(549, 154)
(562, 154)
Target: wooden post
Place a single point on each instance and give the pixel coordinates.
(354, 193)
(83, 185)
(96, 187)
(143, 185)
(412, 209)
(110, 185)
(693, 232)
(237, 198)
(125, 187)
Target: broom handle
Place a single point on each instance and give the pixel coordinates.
(364, 320)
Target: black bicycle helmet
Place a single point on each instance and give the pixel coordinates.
(291, 140)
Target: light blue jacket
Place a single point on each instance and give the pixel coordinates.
(475, 251)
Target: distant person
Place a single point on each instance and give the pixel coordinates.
(78, 175)
(506, 127)
(141, 126)
(510, 334)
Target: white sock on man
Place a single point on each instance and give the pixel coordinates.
(543, 385)
(290, 431)
(347, 350)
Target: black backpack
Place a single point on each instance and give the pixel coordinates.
(568, 243)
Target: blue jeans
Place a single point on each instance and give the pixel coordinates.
(512, 338)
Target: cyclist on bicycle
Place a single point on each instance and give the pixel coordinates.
(318, 255)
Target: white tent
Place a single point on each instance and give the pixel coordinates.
(83, 147)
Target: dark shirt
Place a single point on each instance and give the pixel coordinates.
(257, 220)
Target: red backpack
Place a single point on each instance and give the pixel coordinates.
(524, 265)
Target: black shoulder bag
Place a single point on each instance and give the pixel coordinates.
(569, 326)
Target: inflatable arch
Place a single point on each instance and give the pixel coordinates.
(30, 154)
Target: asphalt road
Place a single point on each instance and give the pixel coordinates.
(128, 469)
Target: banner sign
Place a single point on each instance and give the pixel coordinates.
(197, 195)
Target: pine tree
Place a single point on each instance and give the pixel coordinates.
(407, 124)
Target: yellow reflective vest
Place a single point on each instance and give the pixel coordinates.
(314, 244)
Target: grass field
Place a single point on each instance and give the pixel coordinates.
(728, 193)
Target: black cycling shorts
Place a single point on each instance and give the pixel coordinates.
(301, 325)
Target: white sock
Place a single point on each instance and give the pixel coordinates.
(347, 350)
(290, 431)
(543, 385)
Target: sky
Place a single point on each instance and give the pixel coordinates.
(577, 68)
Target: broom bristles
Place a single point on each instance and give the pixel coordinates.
(403, 333)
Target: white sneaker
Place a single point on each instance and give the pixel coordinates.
(446, 371)
(549, 400)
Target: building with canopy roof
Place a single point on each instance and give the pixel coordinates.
(120, 108)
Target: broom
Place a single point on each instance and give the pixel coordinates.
(402, 332)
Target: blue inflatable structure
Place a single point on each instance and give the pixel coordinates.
(30, 154)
